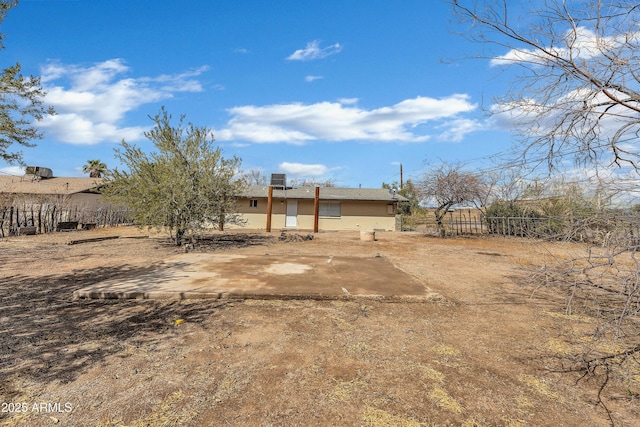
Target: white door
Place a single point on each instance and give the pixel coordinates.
(291, 219)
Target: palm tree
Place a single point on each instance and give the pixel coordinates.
(95, 168)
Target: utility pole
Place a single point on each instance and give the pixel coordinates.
(401, 176)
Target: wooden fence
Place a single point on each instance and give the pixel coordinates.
(49, 217)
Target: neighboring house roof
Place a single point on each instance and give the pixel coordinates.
(326, 193)
(52, 186)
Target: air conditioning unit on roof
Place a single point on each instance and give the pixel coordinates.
(279, 181)
(39, 171)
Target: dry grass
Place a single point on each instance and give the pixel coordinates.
(379, 418)
(440, 397)
(477, 357)
(541, 387)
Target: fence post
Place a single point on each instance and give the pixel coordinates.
(451, 224)
(4, 211)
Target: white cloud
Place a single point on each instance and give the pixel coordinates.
(12, 170)
(314, 51)
(620, 187)
(348, 101)
(520, 56)
(312, 78)
(552, 116)
(298, 123)
(182, 82)
(579, 126)
(83, 78)
(75, 129)
(92, 101)
(301, 169)
(582, 43)
(457, 129)
(261, 132)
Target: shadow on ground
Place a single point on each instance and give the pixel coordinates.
(46, 336)
(216, 242)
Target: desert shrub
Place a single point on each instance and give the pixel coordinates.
(525, 223)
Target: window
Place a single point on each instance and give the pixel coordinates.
(329, 209)
(253, 203)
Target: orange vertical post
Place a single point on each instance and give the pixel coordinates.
(269, 207)
(316, 210)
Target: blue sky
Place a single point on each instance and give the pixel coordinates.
(342, 90)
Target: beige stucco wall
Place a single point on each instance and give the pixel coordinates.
(355, 215)
(257, 217)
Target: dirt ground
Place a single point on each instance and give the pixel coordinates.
(485, 354)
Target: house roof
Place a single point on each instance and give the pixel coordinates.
(28, 184)
(326, 193)
(66, 186)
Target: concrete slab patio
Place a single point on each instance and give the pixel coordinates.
(266, 277)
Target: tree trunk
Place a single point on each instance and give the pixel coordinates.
(440, 213)
(221, 221)
(10, 220)
(179, 236)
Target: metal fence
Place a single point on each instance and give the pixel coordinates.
(601, 228)
(460, 222)
(596, 228)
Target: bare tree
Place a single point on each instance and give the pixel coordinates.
(255, 177)
(577, 97)
(313, 182)
(578, 92)
(448, 185)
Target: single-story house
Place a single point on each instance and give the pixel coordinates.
(40, 202)
(82, 192)
(321, 209)
(261, 206)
